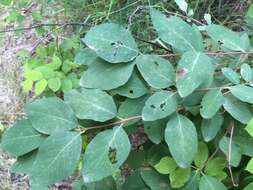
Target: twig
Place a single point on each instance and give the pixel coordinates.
(213, 53)
(43, 25)
(229, 154)
(122, 121)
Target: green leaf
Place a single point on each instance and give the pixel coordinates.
(179, 177)
(135, 182)
(40, 86)
(112, 147)
(33, 75)
(210, 183)
(249, 127)
(181, 137)
(176, 32)
(202, 155)
(159, 105)
(166, 165)
(156, 71)
(50, 166)
(238, 110)
(27, 85)
(112, 42)
(54, 84)
(108, 76)
(250, 11)
(215, 166)
(154, 180)
(66, 85)
(211, 103)
(226, 38)
(155, 130)
(85, 57)
(21, 138)
(235, 152)
(5, 2)
(131, 108)
(50, 114)
(193, 183)
(249, 167)
(134, 88)
(231, 75)
(91, 104)
(242, 92)
(246, 72)
(245, 142)
(56, 63)
(193, 70)
(249, 186)
(24, 163)
(210, 127)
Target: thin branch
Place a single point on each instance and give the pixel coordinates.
(43, 25)
(213, 53)
(229, 154)
(122, 121)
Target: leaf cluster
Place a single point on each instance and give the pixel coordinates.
(191, 109)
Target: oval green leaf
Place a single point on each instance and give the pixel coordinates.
(181, 137)
(107, 76)
(21, 138)
(105, 154)
(58, 149)
(50, 114)
(159, 105)
(111, 42)
(91, 104)
(156, 71)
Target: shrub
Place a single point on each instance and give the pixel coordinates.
(174, 120)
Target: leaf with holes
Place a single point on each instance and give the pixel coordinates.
(193, 70)
(108, 76)
(159, 105)
(238, 110)
(210, 127)
(211, 103)
(105, 154)
(131, 108)
(226, 38)
(156, 71)
(210, 183)
(181, 137)
(65, 147)
(21, 138)
(242, 92)
(176, 32)
(112, 42)
(134, 88)
(50, 114)
(91, 104)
